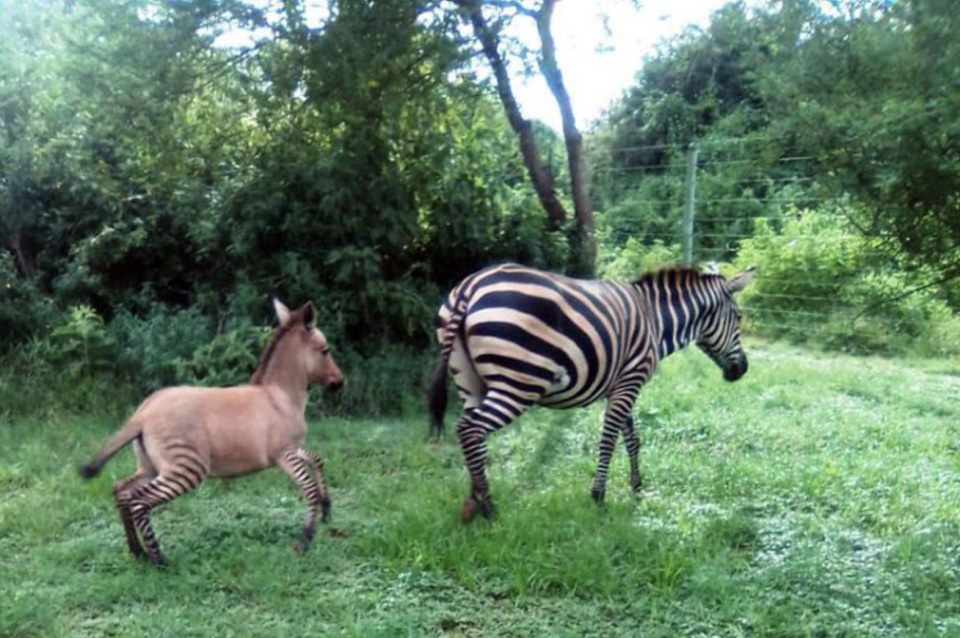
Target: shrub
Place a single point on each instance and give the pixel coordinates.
(24, 312)
(227, 359)
(389, 383)
(152, 348)
(628, 262)
(821, 281)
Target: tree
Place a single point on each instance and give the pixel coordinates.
(488, 36)
(870, 92)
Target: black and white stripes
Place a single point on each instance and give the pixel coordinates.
(514, 336)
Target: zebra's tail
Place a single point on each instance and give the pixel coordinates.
(131, 430)
(437, 390)
(437, 396)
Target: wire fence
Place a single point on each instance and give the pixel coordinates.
(708, 199)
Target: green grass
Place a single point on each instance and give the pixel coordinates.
(819, 496)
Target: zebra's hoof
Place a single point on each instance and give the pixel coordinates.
(487, 508)
(306, 538)
(598, 495)
(469, 509)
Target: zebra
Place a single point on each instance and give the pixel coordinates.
(514, 336)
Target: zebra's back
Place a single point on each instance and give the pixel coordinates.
(551, 339)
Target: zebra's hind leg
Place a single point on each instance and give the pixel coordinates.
(121, 491)
(147, 496)
(294, 463)
(497, 409)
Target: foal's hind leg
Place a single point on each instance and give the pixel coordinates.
(294, 463)
(121, 493)
(152, 493)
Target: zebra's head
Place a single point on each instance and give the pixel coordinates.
(720, 337)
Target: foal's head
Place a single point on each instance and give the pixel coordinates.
(307, 346)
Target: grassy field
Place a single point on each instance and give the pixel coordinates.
(819, 496)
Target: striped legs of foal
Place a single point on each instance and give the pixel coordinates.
(497, 409)
(143, 498)
(294, 462)
(121, 490)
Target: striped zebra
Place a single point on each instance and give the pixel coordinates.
(513, 336)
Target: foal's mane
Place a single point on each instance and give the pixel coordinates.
(270, 349)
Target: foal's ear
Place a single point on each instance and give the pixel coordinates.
(309, 316)
(283, 313)
(740, 282)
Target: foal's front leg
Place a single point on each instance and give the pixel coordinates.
(294, 463)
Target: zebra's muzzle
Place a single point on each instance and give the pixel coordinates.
(735, 368)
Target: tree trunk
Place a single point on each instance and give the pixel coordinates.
(585, 260)
(542, 181)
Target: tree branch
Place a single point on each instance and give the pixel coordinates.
(541, 179)
(571, 136)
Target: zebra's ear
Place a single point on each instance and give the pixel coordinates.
(740, 282)
(309, 314)
(710, 268)
(283, 313)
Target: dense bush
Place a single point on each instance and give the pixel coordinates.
(822, 282)
(85, 363)
(629, 261)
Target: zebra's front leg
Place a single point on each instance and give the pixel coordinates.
(617, 418)
(632, 443)
(608, 442)
(294, 463)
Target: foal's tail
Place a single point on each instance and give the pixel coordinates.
(114, 444)
(437, 390)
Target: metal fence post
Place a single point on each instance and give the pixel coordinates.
(689, 204)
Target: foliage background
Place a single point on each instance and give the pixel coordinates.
(157, 186)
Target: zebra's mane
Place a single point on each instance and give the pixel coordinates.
(674, 272)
